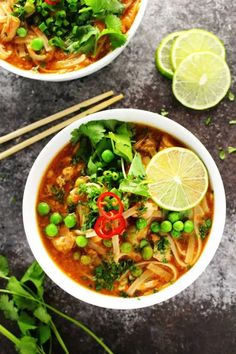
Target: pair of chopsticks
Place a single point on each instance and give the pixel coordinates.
(92, 103)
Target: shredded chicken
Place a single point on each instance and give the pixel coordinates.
(148, 144)
(65, 242)
(9, 29)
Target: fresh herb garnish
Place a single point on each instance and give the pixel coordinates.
(136, 186)
(22, 302)
(208, 121)
(108, 272)
(164, 113)
(231, 149)
(204, 228)
(58, 193)
(231, 96)
(222, 154)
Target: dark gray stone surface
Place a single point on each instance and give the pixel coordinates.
(202, 319)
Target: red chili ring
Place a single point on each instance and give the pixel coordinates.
(102, 222)
(111, 214)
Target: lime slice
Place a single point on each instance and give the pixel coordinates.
(163, 61)
(195, 40)
(201, 80)
(178, 179)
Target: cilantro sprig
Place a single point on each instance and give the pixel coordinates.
(22, 301)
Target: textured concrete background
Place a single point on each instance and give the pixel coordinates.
(202, 319)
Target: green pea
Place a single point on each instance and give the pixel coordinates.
(126, 247)
(85, 260)
(107, 243)
(70, 220)
(173, 216)
(178, 226)
(147, 253)
(136, 272)
(141, 223)
(107, 156)
(166, 226)
(81, 241)
(155, 227)
(56, 218)
(37, 44)
(76, 256)
(22, 32)
(43, 208)
(175, 234)
(115, 176)
(51, 230)
(188, 226)
(144, 243)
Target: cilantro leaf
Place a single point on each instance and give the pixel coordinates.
(8, 308)
(22, 300)
(44, 333)
(105, 6)
(231, 149)
(136, 168)
(26, 322)
(93, 130)
(113, 22)
(4, 267)
(27, 345)
(134, 186)
(35, 275)
(42, 314)
(121, 142)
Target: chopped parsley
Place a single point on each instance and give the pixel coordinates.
(107, 273)
(231, 149)
(222, 154)
(231, 96)
(208, 121)
(204, 228)
(58, 193)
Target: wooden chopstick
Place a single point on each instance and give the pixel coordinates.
(59, 126)
(55, 116)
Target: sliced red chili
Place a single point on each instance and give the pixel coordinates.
(111, 205)
(52, 2)
(106, 228)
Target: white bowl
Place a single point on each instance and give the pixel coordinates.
(69, 285)
(90, 69)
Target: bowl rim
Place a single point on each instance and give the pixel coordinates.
(88, 70)
(68, 284)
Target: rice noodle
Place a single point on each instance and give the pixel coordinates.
(69, 62)
(149, 284)
(159, 271)
(190, 249)
(180, 250)
(100, 250)
(175, 252)
(35, 56)
(88, 233)
(9, 28)
(130, 212)
(205, 205)
(116, 248)
(139, 281)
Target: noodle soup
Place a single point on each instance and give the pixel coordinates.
(97, 218)
(61, 36)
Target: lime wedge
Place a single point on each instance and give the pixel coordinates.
(178, 179)
(201, 80)
(192, 41)
(163, 60)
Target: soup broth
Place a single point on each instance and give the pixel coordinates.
(142, 256)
